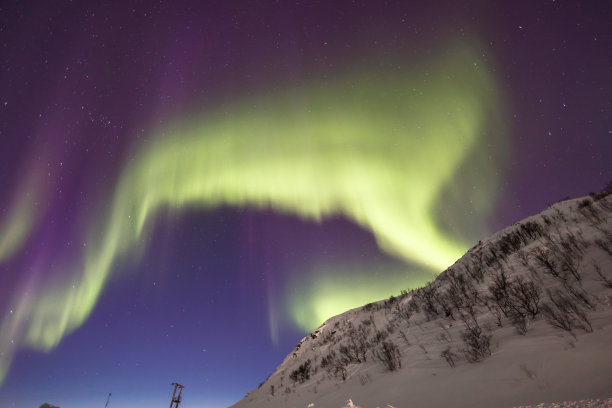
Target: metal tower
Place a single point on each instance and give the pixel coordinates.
(176, 397)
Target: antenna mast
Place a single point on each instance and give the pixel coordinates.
(107, 399)
(176, 397)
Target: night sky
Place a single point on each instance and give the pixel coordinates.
(188, 188)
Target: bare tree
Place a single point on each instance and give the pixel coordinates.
(477, 343)
(605, 281)
(388, 354)
(563, 312)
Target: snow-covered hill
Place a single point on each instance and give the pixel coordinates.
(523, 317)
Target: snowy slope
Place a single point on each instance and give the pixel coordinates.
(522, 318)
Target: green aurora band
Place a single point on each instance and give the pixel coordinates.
(378, 148)
(336, 289)
(14, 230)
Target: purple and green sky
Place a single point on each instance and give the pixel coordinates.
(188, 188)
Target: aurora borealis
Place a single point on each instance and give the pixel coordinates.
(196, 184)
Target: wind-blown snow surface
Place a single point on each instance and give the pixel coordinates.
(523, 318)
(592, 403)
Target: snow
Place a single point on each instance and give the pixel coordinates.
(543, 366)
(590, 403)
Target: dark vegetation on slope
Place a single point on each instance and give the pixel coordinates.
(532, 270)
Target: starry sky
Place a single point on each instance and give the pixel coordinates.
(190, 187)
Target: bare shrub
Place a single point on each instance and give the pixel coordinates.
(605, 281)
(388, 354)
(357, 345)
(605, 204)
(333, 365)
(404, 337)
(570, 257)
(329, 359)
(513, 241)
(525, 297)
(414, 306)
(461, 292)
(370, 307)
(349, 354)
(449, 356)
(446, 305)
(379, 337)
(339, 370)
(477, 343)
(563, 312)
(327, 336)
(392, 299)
(499, 292)
(475, 271)
(514, 300)
(523, 257)
(519, 321)
(557, 317)
(302, 373)
(579, 294)
(543, 258)
(402, 310)
(427, 298)
(605, 245)
(588, 210)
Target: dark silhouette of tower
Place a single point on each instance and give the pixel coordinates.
(176, 397)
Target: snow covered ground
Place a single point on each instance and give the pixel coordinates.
(590, 403)
(524, 318)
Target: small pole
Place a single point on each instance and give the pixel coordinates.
(107, 399)
(176, 398)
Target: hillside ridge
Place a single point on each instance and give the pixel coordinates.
(537, 294)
